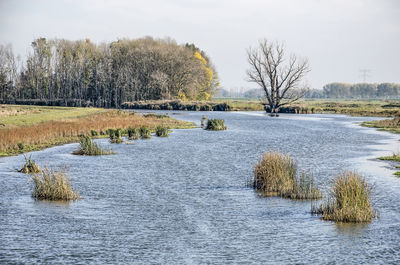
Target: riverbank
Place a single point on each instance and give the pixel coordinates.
(194, 184)
(31, 128)
(389, 125)
(379, 108)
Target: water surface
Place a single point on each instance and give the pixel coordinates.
(185, 200)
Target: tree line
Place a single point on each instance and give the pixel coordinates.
(82, 73)
(356, 91)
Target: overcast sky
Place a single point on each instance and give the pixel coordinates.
(339, 37)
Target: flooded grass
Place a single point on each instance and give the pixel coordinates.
(115, 136)
(304, 188)
(145, 133)
(349, 200)
(133, 133)
(393, 157)
(162, 131)
(276, 175)
(53, 185)
(215, 125)
(30, 166)
(89, 148)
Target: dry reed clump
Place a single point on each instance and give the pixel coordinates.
(53, 185)
(50, 133)
(349, 200)
(88, 147)
(30, 166)
(276, 175)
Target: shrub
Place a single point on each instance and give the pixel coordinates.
(115, 136)
(275, 175)
(215, 125)
(162, 131)
(53, 186)
(30, 166)
(145, 133)
(349, 200)
(88, 147)
(133, 133)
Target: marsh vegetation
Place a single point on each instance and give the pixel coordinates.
(133, 133)
(215, 125)
(145, 132)
(162, 131)
(88, 147)
(115, 136)
(30, 166)
(32, 128)
(348, 201)
(276, 175)
(53, 185)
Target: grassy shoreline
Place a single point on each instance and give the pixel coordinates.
(32, 128)
(379, 108)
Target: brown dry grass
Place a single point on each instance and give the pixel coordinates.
(275, 174)
(53, 185)
(349, 200)
(41, 135)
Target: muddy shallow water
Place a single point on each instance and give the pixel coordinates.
(185, 199)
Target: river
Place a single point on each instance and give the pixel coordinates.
(185, 199)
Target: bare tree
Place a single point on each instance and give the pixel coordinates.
(280, 78)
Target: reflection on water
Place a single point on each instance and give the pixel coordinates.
(351, 229)
(185, 199)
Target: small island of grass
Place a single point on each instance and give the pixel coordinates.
(53, 185)
(349, 200)
(215, 125)
(89, 148)
(276, 175)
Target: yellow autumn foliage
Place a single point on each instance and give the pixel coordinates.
(209, 74)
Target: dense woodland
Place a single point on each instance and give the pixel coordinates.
(82, 73)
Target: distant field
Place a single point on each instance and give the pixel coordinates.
(383, 108)
(16, 115)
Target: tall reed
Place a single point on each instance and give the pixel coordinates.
(349, 200)
(133, 133)
(88, 147)
(276, 175)
(115, 136)
(145, 133)
(53, 185)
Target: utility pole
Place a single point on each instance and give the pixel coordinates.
(364, 74)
